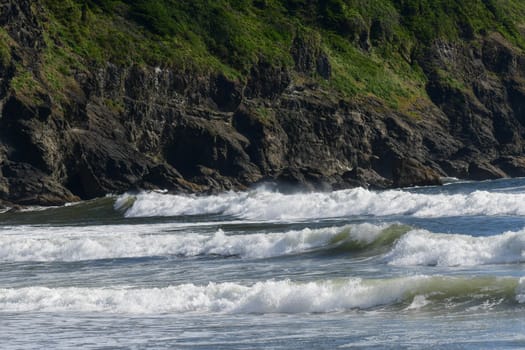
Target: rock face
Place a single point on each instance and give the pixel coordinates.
(123, 128)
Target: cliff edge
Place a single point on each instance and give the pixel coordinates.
(104, 97)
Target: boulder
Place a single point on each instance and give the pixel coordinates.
(410, 172)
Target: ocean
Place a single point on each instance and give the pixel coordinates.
(419, 268)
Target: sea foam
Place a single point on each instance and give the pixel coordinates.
(421, 247)
(394, 244)
(267, 296)
(28, 243)
(262, 204)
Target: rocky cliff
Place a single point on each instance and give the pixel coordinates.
(113, 127)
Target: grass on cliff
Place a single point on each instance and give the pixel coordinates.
(206, 35)
(5, 47)
(370, 43)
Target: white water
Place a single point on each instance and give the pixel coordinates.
(419, 268)
(420, 247)
(414, 248)
(262, 204)
(520, 291)
(28, 243)
(262, 297)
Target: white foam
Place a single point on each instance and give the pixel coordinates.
(416, 247)
(29, 243)
(262, 297)
(262, 204)
(419, 302)
(421, 247)
(520, 291)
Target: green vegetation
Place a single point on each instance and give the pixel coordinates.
(5, 48)
(26, 86)
(265, 115)
(358, 73)
(369, 43)
(116, 106)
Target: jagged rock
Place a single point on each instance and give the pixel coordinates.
(4, 186)
(166, 177)
(97, 165)
(227, 94)
(370, 179)
(512, 165)
(139, 127)
(293, 179)
(212, 144)
(266, 81)
(484, 171)
(21, 22)
(458, 169)
(267, 140)
(30, 186)
(498, 55)
(410, 172)
(308, 56)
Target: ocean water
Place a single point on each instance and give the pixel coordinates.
(422, 268)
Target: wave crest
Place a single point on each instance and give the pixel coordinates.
(271, 296)
(266, 205)
(396, 244)
(421, 247)
(131, 241)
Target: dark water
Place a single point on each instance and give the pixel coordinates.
(438, 267)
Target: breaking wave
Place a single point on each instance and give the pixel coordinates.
(272, 296)
(262, 204)
(395, 244)
(27, 243)
(421, 247)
